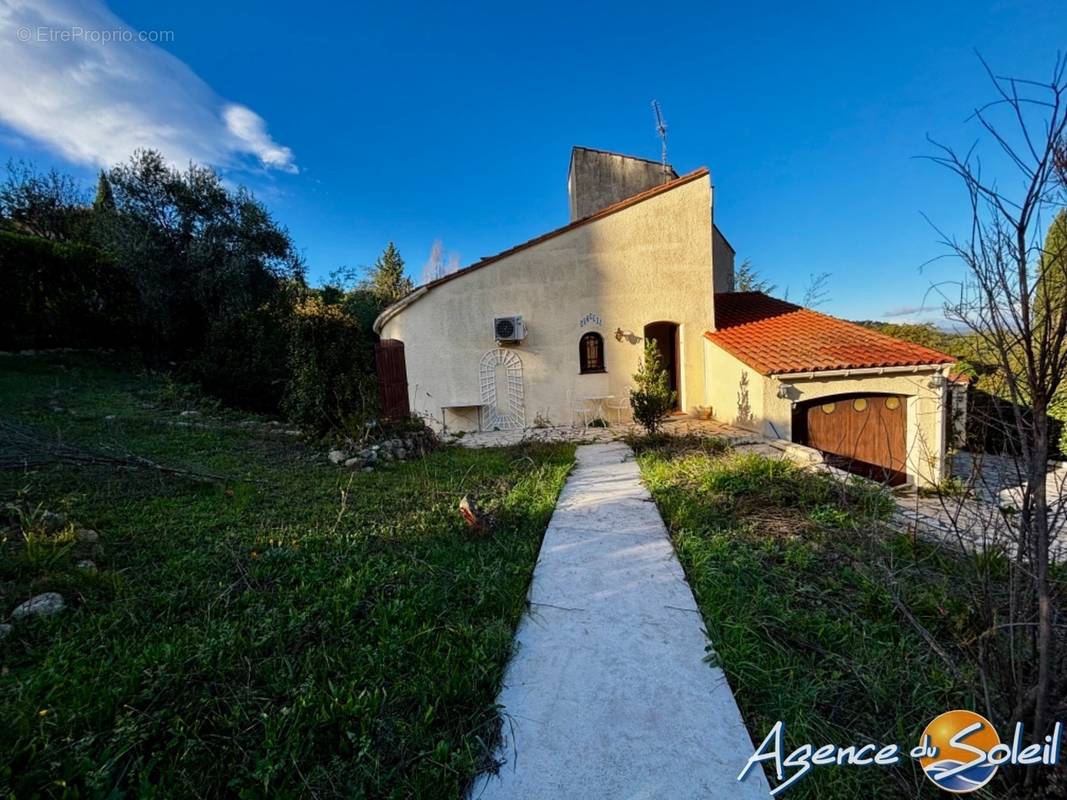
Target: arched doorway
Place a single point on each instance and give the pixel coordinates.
(666, 336)
(862, 433)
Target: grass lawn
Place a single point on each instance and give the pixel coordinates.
(792, 573)
(293, 629)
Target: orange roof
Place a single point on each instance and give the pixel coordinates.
(776, 337)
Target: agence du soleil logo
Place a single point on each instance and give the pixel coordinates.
(959, 751)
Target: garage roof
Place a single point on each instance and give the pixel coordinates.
(776, 337)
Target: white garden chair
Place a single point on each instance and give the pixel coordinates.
(620, 405)
(580, 409)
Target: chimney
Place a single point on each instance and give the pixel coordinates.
(598, 179)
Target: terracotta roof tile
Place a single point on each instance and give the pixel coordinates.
(776, 337)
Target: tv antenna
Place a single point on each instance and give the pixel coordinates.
(661, 129)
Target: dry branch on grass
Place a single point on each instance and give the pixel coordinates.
(22, 447)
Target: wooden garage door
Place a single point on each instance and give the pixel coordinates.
(865, 434)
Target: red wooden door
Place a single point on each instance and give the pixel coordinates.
(865, 434)
(392, 378)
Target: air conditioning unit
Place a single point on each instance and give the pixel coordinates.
(508, 329)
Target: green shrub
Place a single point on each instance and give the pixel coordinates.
(58, 294)
(950, 486)
(651, 398)
(244, 356)
(331, 386)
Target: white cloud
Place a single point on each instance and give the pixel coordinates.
(94, 100)
(251, 129)
(912, 312)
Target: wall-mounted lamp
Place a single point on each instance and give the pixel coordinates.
(938, 381)
(629, 336)
(786, 391)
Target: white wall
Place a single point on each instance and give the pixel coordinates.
(649, 262)
(735, 391)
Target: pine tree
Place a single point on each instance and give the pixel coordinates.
(387, 281)
(105, 199)
(747, 279)
(1050, 300)
(1051, 294)
(651, 398)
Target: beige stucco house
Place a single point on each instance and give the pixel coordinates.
(551, 331)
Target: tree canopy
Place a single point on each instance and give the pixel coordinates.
(50, 205)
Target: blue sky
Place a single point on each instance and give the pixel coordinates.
(363, 123)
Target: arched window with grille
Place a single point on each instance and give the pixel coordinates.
(591, 353)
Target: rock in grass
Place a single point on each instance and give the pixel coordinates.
(87, 565)
(337, 456)
(5, 631)
(43, 605)
(354, 462)
(87, 535)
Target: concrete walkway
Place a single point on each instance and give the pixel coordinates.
(608, 694)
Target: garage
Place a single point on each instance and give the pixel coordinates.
(874, 405)
(863, 433)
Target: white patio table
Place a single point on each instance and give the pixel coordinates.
(599, 401)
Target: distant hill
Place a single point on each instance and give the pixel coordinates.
(960, 345)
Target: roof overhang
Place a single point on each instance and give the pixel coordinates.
(397, 307)
(858, 372)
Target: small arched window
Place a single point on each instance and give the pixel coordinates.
(591, 353)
